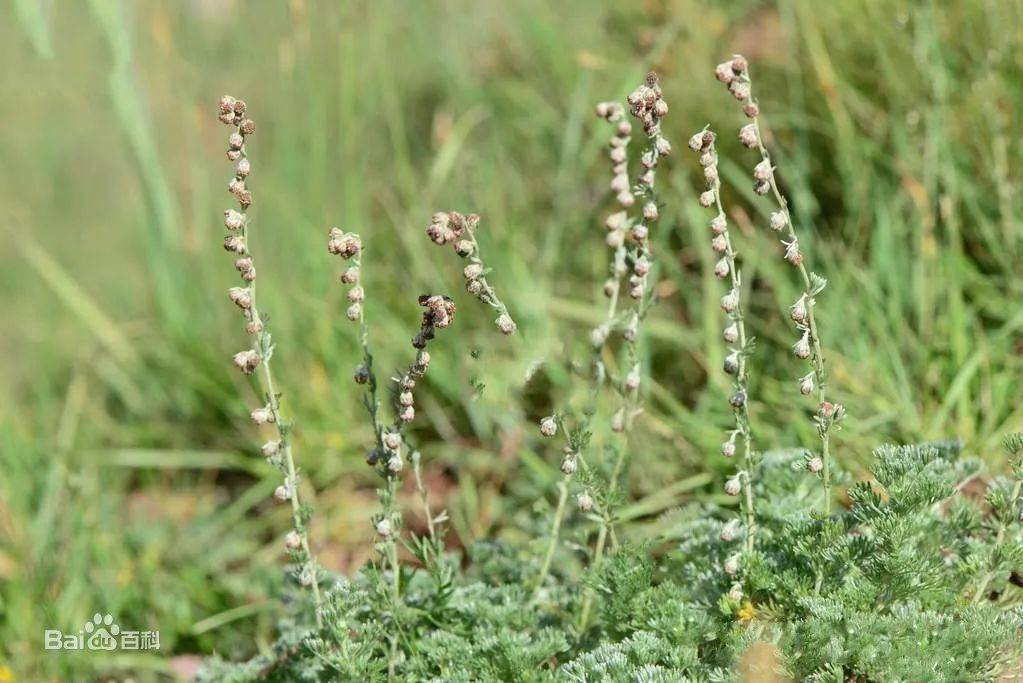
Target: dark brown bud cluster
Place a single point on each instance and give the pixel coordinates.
(232, 113)
(343, 244)
(439, 313)
(447, 227)
(647, 104)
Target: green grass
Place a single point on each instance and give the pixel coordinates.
(130, 482)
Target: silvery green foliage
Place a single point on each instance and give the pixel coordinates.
(912, 581)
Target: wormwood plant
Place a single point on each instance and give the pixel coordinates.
(915, 576)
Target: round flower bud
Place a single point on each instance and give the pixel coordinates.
(233, 155)
(650, 211)
(292, 541)
(270, 448)
(748, 135)
(463, 248)
(720, 245)
(598, 336)
(763, 170)
(620, 183)
(730, 301)
(718, 224)
(710, 174)
(383, 527)
(642, 266)
(617, 154)
(262, 416)
(350, 276)
(806, 385)
(751, 110)
(472, 271)
(241, 296)
(505, 323)
(733, 486)
(247, 361)
(731, 364)
(728, 449)
(361, 375)
(721, 268)
(248, 126)
(761, 187)
(739, 90)
(233, 220)
(731, 333)
(407, 414)
(723, 72)
(707, 159)
(778, 220)
(735, 593)
(395, 464)
(662, 146)
(254, 326)
(549, 426)
(624, 129)
(625, 198)
(234, 243)
(737, 400)
(356, 294)
(568, 466)
(732, 565)
(243, 168)
(696, 142)
(474, 287)
(235, 140)
(707, 199)
(798, 310)
(801, 348)
(392, 440)
(354, 312)
(226, 104)
(282, 492)
(584, 501)
(640, 232)
(405, 398)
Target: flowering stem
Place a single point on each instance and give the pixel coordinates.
(703, 143)
(280, 452)
(736, 74)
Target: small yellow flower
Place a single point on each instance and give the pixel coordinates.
(746, 612)
(6, 675)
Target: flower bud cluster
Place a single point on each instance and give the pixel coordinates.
(348, 246)
(460, 229)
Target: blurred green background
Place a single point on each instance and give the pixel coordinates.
(129, 481)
